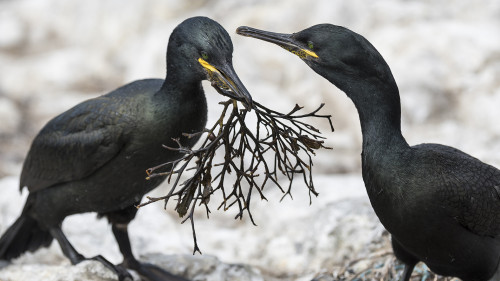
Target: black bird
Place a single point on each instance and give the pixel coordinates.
(93, 157)
(441, 206)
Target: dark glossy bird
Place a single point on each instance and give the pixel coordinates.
(441, 205)
(93, 157)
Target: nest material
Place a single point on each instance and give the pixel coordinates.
(279, 145)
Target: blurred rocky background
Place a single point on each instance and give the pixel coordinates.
(445, 56)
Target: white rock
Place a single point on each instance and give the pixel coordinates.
(10, 117)
(12, 30)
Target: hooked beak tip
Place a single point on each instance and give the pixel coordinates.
(248, 102)
(225, 79)
(241, 30)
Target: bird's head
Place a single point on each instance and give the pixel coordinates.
(206, 48)
(334, 52)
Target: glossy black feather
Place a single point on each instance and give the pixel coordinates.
(94, 156)
(441, 205)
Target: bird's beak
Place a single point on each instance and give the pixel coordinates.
(224, 78)
(283, 40)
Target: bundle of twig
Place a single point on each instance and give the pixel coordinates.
(285, 138)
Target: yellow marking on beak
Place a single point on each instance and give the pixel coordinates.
(310, 53)
(301, 53)
(206, 65)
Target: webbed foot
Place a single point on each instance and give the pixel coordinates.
(151, 272)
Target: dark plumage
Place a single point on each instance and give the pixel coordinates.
(93, 157)
(441, 205)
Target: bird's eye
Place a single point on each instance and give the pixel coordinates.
(310, 45)
(204, 55)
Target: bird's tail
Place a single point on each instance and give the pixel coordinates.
(24, 235)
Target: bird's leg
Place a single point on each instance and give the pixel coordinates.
(403, 255)
(148, 272)
(121, 235)
(407, 272)
(66, 246)
(119, 224)
(75, 257)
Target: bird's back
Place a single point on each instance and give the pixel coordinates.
(443, 205)
(463, 186)
(80, 140)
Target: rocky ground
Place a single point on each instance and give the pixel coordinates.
(54, 54)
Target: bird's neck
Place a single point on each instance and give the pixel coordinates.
(379, 110)
(183, 106)
(180, 80)
(181, 75)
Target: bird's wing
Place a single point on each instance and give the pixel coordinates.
(74, 144)
(471, 192)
